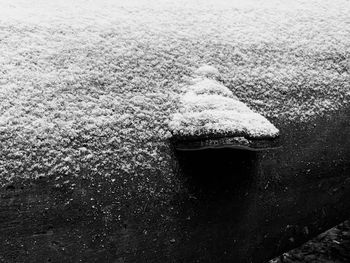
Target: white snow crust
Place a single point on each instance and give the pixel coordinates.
(87, 87)
(205, 114)
(207, 71)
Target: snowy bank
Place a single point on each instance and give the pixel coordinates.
(87, 87)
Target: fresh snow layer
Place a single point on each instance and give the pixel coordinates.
(224, 122)
(208, 86)
(207, 71)
(215, 114)
(87, 87)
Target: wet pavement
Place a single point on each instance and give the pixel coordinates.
(331, 246)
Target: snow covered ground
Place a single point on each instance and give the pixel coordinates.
(207, 107)
(87, 87)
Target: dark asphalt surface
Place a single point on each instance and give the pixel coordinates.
(331, 246)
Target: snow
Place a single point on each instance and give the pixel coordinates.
(207, 71)
(222, 122)
(193, 102)
(208, 86)
(107, 75)
(204, 114)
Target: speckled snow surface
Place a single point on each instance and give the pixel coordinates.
(87, 87)
(208, 108)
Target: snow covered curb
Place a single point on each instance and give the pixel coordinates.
(208, 108)
(87, 87)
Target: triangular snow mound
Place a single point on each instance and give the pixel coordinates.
(206, 86)
(210, 109)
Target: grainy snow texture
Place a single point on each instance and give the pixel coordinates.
(87, 87)
(207, 71)
(208, 108)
